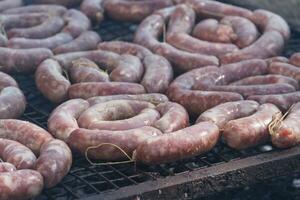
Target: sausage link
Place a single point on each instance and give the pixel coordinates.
(269, 21)
(153, 81)
(17, 154)
(128, 69)
(154, 98)
(12, 103)
(211, 30)
(185, 143)
(183, 91)
(21, 184)
(184, 61)
(8, 4)
(20, 60)
(22, 20)
(101, 58)
(7, 167)
(54, 162)
(239, 137)
(287, 133)
(28, 134)
(215, 9)
(6, 81)
(68, 3)
(249, 90)
(223, 113)
(85, 70)
(121, 47)
(285, 69)
(245, 31)
(270, 44)
(173, 117)
(87, 40)
(63, 120)
(87, 90)
(118, 115)
(282, 101)
(49, 43)
(48, 28)
(93, 9)
(53, 10)
(277, 59)
(51, 82)
(243, 69)
(133, 11)
(295, 59)
(127, 140)
(77, 23)
(267, 79)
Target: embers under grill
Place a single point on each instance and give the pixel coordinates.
(222, 167)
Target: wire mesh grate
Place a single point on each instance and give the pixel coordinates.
(85, 180)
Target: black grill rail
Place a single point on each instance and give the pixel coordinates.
(85, 180)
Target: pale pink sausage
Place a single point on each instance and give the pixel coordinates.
(50, 43)
(7, 167)
(28, 134)
(53, 10)
(23, 20)
(252, 130)
(154, 98)
(295, 59)
(20, 184)
(287, 133)
(48, 28)
(173, 117)
(20, 60)
(285, 69)
(127, 140)
(118, 115)
(153, 81)
(51, 82)
(54, 162)
(93, 9)
(185, 143)
(87, 90)
(17, 154)
(87, 40)
(63, 120)
(8, 4)
(225, 112)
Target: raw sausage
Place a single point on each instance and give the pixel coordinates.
(285, 69)
(93, 9)
(87, 40)
(286, 133)
(53, 10)
(223, 113)
(282, 101)
(20, 60)
(54, 162)
(153, 81)
(17, 154)
(133, 11)
(28, 134)
(270, 44)
(63, 120)
(119, 115)
(7, 167)
(295, 59)
(20, 184)
(51, 82)
(185, 143)
(7, 4)
(87, 90)
(128, 140)
(48, 28)
(173, 117)
(153, 98)
(256, 131)
(85, 70)
(49, 43)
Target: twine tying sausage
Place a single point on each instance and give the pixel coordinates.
(130, 159)
(277, 120)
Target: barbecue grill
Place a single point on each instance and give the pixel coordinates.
(199, 176)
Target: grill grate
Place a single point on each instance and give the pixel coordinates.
(85, 180)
